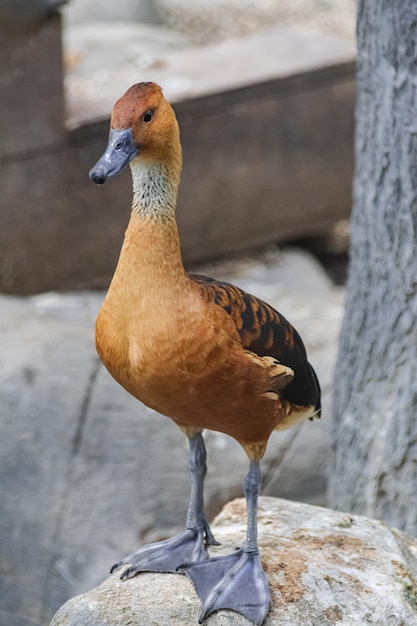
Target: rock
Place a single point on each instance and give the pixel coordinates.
(138, 46)
(323, 567)
(204, 22)
(11, 619)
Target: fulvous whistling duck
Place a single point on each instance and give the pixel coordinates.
(200, 351)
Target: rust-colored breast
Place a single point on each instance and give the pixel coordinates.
(197, 355)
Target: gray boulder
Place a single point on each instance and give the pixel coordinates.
(324, 568)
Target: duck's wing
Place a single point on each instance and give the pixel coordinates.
(266, 332)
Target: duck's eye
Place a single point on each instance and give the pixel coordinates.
(148, 116)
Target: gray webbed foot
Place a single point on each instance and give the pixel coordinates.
(236, 581)
(167, 556)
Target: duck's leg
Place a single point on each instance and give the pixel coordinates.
(190, 545)
(236, 581)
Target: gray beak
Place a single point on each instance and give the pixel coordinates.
(120, 150)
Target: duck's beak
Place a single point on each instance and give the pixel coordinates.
(120, 150)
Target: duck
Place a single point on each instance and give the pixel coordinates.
(197, 350)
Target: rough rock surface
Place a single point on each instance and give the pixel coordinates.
(323, 567)
(205, 22)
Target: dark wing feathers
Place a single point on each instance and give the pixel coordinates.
(266, 332)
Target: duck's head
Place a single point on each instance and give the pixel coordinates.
(143, 127)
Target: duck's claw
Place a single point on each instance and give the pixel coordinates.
(236, 581)
(166, 556)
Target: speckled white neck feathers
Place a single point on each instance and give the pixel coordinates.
(155, 188)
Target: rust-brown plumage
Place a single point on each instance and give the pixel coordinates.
(200, 351)
(266, 332)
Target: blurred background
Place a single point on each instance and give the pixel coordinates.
(264, 93)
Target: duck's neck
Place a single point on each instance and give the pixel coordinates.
(150, 259)
(155, 189)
